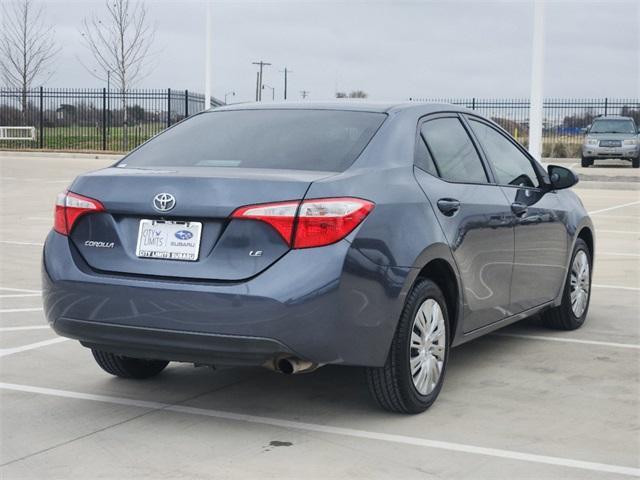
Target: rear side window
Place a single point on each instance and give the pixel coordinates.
(324, 140)
(511, 166)
(423, 158)
(453, 153)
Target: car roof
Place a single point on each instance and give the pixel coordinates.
(347, 105)
(612, 117)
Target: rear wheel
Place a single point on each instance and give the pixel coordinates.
(586, 162)
(635, 163)
(127, 367)
(572, 312)
(412, 376)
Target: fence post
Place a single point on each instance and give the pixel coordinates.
(104, 118)
(186, 103)
(473, 103)
(168, 107)
(41, 118)
(606, 105)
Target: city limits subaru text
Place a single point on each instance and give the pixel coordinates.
(300, 235)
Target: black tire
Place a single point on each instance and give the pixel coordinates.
(563, 317)
(586, 162)
(392, 385)
(635, 163)
(127, 367)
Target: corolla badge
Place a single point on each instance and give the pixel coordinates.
(163, 202)
(183, 235)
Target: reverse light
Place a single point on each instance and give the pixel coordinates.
(310, 223)
(71, 206)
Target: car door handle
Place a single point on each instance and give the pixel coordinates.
(519, 208)
(448, 206)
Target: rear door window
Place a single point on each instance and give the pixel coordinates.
(454, 155)
(323, 140)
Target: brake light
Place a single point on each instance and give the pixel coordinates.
(71, 206)
(311, 223)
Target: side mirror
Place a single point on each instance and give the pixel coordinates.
(561, 177)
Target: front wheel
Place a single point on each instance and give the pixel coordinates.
(572, 312)
(635, 163)
(586, 162)
(127, 367)
(411, 378)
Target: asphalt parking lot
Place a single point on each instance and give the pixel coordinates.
(524, 403)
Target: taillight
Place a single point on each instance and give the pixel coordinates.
(311, 223)
(70, 207)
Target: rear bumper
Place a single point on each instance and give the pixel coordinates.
(325, 305)
(153, 343)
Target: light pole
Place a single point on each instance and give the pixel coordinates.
(207, 59)
(233, 94)
(273, 91)
(537, 77)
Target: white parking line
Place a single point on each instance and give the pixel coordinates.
(618, 232)
(616, 254)
(10, 351)
(615, 207)
(19, 329)
(331, 430)
(11, 242)
(21, 295)
(18, 310)
(569, 340)
(615, 287)
(26, 290)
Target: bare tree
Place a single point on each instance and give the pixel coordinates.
(121, 47)
(26, 47)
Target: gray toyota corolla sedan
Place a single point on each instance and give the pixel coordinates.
(299, 235)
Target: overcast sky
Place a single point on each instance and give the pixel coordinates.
(391, 49)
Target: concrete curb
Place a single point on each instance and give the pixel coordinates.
(57, 154)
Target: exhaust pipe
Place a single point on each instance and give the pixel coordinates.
(293, 365)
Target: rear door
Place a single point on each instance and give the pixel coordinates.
(473, 213)
(541, 239)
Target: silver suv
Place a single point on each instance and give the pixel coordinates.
(611, 137)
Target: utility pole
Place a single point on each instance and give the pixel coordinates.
(207, 60)
(304, 93)
(257, 86)
(261, 64)
(537, 77)
(286, 72)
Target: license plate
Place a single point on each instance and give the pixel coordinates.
(169, 240)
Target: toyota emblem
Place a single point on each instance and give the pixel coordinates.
(163, 202)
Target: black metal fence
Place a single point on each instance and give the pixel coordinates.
(563, 119)
(94, 119)
(101, 119)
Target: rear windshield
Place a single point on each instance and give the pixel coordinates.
(613, 126)
(325, 140)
